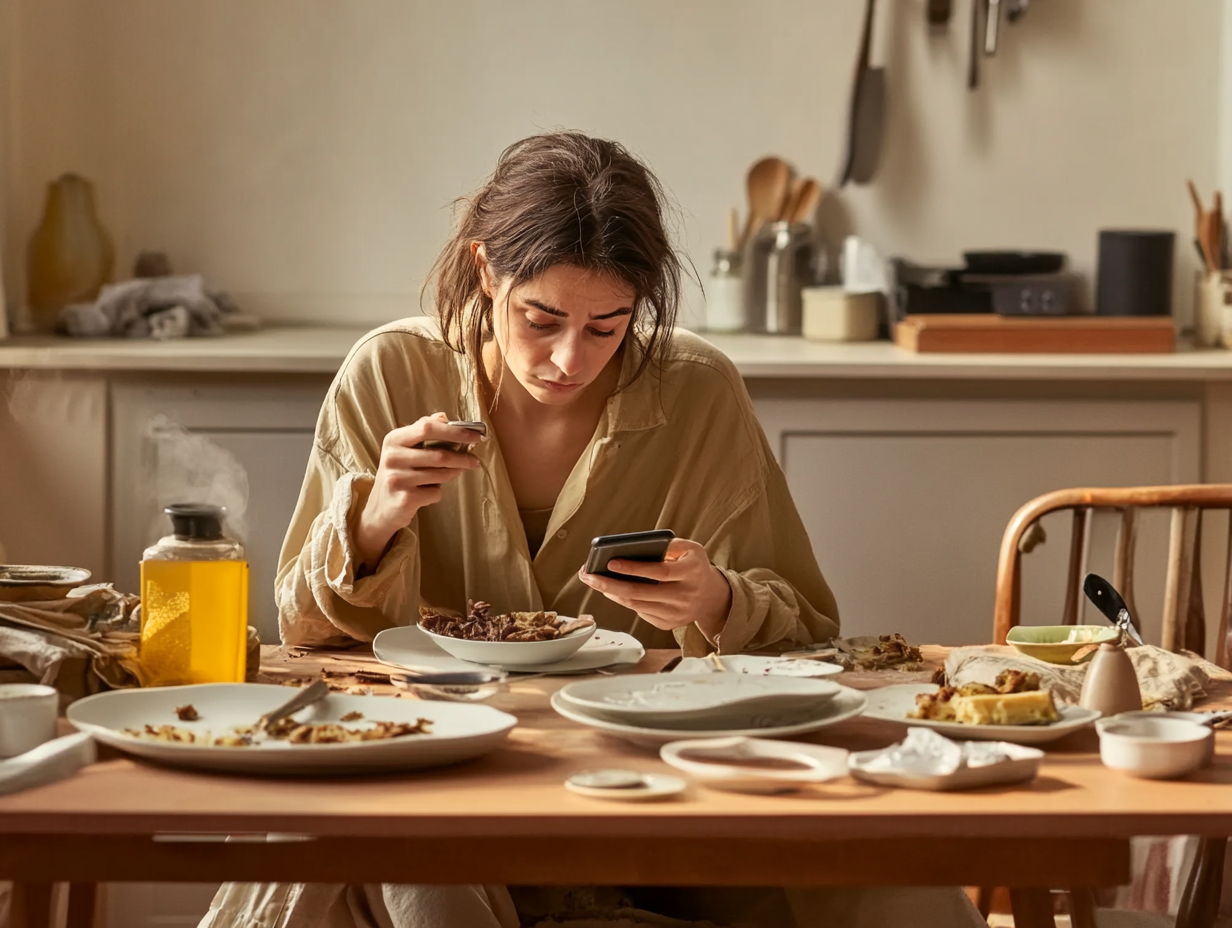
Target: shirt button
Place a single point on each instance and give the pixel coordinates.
(563, 533)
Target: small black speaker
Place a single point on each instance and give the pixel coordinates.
(1135, 273)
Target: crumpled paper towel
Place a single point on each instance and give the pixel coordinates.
(1168, 680)
(151, 307)
(925, 753)
(54, 760)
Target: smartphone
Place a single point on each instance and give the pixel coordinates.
(633, 546)
(479, 427)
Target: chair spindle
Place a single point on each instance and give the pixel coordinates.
(1077, 563)
(1123, 567)
(1179, 577)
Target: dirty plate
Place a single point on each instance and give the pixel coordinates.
(458, 732)
(894, 703)
(409, 647)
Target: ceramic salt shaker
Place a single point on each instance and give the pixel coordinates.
(1111, 684)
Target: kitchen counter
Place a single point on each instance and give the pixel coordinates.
(320, 350)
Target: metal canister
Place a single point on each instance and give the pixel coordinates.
(781, 261)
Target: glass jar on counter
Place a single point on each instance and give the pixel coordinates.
(725, 292)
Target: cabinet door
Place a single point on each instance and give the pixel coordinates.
(906, 501)
(245, 446)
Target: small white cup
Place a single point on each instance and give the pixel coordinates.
(27, 717)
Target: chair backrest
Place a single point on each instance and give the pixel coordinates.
(1184, 620)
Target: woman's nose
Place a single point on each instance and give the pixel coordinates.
(568, 357)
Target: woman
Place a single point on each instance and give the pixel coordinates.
(555, 301)
(554, 304)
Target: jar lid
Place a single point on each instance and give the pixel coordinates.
(196, 521)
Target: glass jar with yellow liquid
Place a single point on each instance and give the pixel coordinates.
(194, 601)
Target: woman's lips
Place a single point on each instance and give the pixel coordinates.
(558, 387)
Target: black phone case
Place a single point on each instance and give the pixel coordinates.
(633, 546)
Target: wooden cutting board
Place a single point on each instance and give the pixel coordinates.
(1037, 334)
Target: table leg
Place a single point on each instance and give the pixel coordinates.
(1082, 907)
(82, 905)
(30, 906)
(1032, 908)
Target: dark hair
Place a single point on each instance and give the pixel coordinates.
(562, 198)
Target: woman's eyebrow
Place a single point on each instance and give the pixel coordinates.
(552, 311)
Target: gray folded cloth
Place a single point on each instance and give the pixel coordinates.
(151, 307)
(1168, 680)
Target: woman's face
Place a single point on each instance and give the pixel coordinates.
(558, 331)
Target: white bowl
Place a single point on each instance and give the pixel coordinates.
(27, 717)
(1152, 748)
(1196, 717)
(513, 653)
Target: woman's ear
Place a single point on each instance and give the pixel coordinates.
(486, 279)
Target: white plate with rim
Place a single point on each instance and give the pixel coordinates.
(720, 700)
(756, 765)
(513, 654)
(458, 731)
(846, 704)
(409, 647)
(893, 703)
(755, 665)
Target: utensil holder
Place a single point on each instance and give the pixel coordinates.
(781, 261)
(1211, 304)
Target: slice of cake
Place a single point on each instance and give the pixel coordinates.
(1034, 707)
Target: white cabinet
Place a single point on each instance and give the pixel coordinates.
(906, 500)
(245, 446)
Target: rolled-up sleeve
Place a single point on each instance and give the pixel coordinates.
(322, 598)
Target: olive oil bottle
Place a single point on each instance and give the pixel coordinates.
(194, 601)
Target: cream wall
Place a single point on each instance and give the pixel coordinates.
(304, 152)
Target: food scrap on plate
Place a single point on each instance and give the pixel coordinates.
(927, 760)
(480, 625)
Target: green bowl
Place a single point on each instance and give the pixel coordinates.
(1056, 644)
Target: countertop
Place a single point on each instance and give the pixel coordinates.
(320, 350)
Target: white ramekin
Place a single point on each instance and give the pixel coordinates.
(27, 717)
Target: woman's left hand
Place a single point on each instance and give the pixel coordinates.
(690, 589)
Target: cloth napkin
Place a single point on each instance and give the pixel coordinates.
(54, 760)
(80, 645)
(1168, 680)
(151, 307)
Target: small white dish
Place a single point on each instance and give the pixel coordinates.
(1022, 767)
(754, 665)
(513, 654)
(847, 704)
(721, 700)
(27, 716)
(458, 732)
(895, 703)
(755, 765)
(594, 784)
(409, 647)
(1153, 748)
(1198, 718)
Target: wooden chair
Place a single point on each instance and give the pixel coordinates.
(1184, 620)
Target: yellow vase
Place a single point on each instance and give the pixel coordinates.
(70, 255)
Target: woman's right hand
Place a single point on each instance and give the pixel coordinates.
(407, 479)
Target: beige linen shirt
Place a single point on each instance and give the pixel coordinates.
(680, 449)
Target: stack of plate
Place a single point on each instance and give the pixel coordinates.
(654, 709)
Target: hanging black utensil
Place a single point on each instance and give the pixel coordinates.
(866, 115)
(1108, 601)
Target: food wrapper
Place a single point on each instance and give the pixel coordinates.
(925, 753)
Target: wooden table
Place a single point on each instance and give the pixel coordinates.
(506, 818)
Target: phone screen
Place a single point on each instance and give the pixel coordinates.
(634, 546)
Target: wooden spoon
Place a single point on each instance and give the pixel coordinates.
(806, 194)
(768, 182)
